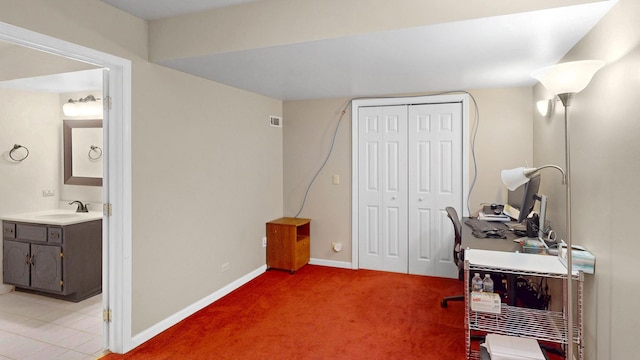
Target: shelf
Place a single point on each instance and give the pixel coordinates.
(518, 264)
(543, 325)
(518, 321)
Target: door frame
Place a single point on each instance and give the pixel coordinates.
(462, 98)
(116, 190)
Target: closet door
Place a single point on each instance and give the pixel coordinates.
(435, 182)
(383, 188)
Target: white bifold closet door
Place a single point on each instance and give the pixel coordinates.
(410, 169)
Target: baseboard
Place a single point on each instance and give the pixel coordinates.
(330, 263)
(163, 325)
(5, 288)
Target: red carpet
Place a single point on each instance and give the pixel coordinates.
(320, 313)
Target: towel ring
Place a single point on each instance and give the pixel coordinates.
(97, 150)
(16, 147)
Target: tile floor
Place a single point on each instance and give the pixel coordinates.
(34, 327)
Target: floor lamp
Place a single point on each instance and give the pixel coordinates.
(565, 80)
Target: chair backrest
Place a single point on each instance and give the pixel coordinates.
(457, 228)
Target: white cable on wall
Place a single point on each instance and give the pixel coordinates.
(344, 110)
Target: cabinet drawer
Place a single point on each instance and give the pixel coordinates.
(302, 251)
(31, 232)
(8, 230)
(54, 235)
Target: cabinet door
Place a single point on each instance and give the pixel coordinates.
(15, 263)
(46, 270)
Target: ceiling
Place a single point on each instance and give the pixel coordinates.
(159, 9)
(42, 71)
(491, 52)
(61, 83)
(483, 53)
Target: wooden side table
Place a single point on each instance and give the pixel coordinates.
(288, 243)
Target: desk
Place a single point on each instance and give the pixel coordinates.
(508, 245)
(472, 242)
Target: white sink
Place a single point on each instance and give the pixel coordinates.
(54, 217)
(58, 216)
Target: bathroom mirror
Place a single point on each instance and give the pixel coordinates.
(82, 152)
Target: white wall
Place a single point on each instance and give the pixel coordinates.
(31, 119)
(605, 165)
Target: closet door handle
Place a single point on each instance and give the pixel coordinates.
(393, 198)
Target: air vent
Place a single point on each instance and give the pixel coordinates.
(275, 121)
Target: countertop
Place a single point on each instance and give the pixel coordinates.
(54, 217)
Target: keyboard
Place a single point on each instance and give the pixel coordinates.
(484, 226)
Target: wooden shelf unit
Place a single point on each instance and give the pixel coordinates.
(288, 241)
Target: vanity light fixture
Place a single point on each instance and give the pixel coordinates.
(565, 80)
(87, 106)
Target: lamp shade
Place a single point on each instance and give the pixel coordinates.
(513, 178)
(568, 78)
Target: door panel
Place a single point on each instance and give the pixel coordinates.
(410, 169)
(15, 269)
(383, 188)
(47, 267)
(435, 182)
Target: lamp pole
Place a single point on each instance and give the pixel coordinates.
(565, 80)
(566, 102)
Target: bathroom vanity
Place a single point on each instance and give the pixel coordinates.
(54, 253)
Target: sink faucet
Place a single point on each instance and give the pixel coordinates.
(81, 207)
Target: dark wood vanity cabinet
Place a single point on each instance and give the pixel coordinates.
(61, 261)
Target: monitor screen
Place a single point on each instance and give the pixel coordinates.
(523, 199)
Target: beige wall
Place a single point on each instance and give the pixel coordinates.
(207, 168)
(504, 140)
(207, 176)
(605, 164)
(308, 129)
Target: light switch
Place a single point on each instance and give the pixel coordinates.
(336, 179)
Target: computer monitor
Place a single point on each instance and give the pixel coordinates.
(543, 216)
(522, 200)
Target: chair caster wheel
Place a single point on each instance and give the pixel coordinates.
(443, 304)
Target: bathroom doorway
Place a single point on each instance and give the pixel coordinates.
(41, 326)
(116, 277)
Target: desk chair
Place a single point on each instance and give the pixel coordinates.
(458, 252)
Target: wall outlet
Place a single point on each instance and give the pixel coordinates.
(224, 267)
(264, 241)
(48, 193)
